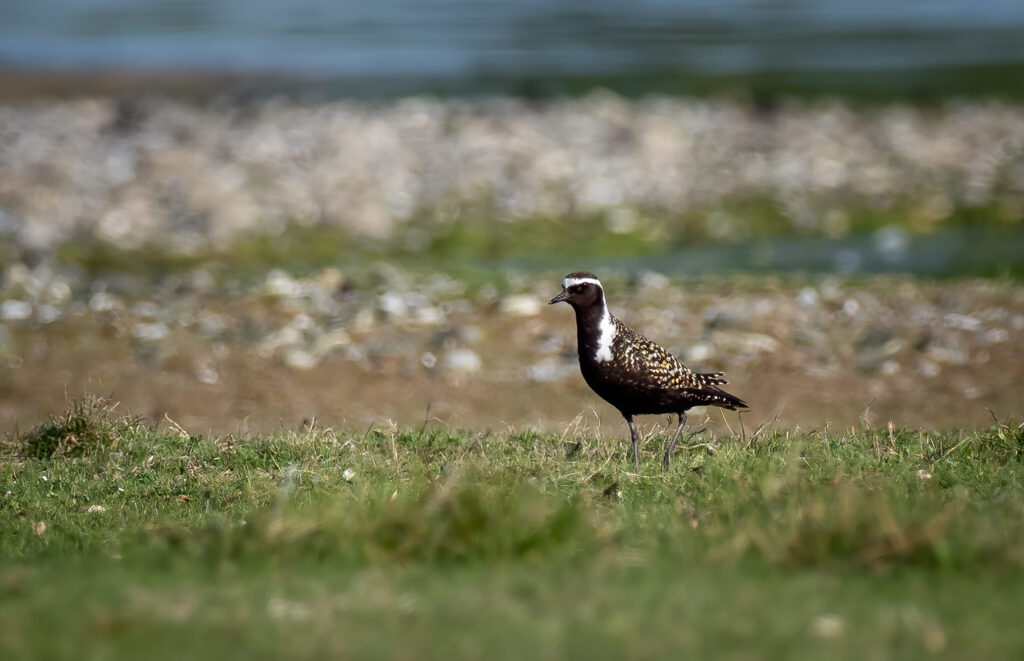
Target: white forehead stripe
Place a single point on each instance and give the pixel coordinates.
(570, 282)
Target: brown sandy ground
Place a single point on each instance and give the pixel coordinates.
(825, 353)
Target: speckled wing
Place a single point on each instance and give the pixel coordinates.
(657, 370)
(639, 355)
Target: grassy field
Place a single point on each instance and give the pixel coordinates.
(118, 540)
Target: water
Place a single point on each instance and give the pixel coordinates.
(964, 251)
(461, 38)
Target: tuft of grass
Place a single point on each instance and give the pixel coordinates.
(466, 518)
(475, 517)
(89, 425)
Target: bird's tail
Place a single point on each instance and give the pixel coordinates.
(727, 401)
(709, 382)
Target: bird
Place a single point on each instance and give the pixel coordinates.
(632, 373)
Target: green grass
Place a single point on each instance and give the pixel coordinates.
(473, 245)
(872, 543)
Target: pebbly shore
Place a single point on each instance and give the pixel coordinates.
(188, 177)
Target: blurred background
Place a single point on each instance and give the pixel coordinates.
(244, 216)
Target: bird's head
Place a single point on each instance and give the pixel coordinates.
(580, 290)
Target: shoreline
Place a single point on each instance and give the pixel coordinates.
(925, 85)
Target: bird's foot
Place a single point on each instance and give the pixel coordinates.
(667, 460)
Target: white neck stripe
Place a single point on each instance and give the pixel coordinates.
(606, 336)
(570, 282)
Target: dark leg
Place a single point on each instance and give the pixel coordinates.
(672, 443)
(633, 437)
